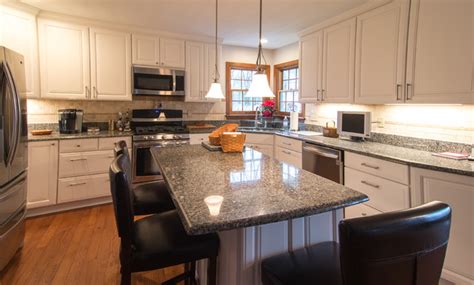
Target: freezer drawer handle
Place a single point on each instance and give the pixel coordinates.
(10, 229)
(370, 184)
(12, 191)
(369, 166)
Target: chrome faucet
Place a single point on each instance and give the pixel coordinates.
(258, 117)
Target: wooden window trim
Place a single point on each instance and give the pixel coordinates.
(277, 73)
(228, 93)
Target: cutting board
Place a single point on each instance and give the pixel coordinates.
(210, 147)
(198, 127)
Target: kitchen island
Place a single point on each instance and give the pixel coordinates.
(267, 207)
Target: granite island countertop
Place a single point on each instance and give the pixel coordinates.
(256, 189)
(83, 135)
(409, 156)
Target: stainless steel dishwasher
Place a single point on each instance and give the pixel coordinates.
(323, 161)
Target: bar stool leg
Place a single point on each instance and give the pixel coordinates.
(212, 271)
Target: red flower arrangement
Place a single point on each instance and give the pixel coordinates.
(268, 108)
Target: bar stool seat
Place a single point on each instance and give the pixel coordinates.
(405, 247)
(298, 266)
(160, 241)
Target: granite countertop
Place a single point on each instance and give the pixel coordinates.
(83, 135)
(256, 189)
(412, 157)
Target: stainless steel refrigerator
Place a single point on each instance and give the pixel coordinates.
(13, 154)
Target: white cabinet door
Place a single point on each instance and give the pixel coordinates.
(194, 72)
(42, 173)
(338, 63)
(20, 35)
(145, 50)
(441, 52)
(311, 67)
(380, 54)
(289, 156)
(172, 52)
(458, 192)
(64, 60)
(111, 65)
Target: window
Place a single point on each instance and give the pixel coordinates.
(286, 84)
(238, 80)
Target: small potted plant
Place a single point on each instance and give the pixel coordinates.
(268, 108)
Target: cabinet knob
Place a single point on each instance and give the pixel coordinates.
(53, 144)
(78, 145)
(364, 214)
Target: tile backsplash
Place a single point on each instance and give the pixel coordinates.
(452, 123)
(46, 111)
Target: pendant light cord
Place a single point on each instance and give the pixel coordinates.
(260, 53)
(216, 71)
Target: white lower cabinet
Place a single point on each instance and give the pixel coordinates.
(83, 187)
(458, 192)
(260, 142)
(84, 163)
(359, 210)
(42, 173)
(289, 151)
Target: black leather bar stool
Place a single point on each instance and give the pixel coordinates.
(148, 198)
(398, 248)
(156, 241)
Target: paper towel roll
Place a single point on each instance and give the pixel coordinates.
(294, 121)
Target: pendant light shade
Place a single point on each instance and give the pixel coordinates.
(259, 88)
(215, 91)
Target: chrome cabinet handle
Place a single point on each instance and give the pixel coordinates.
(369, 166)
(77, 184)
(398, 92)
(77, 159)
(287, 152)
(53, 144)
(286, 143)
(95, 92)
(322, 94)
(363, 214)
(88, 93)
(370, 184)
(409, 87)
(317, 94)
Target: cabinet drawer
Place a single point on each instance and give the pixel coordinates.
(359, 210)
(84, 163)
(78, 145)
(382, 168)
(384, 195)
(198, 138)
(83, 187)
(263, 148)
(109, 143)
(287, 143)
(288, 156)
(252, 138)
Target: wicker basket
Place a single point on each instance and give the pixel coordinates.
(215, 136)
(232, 142)
(330, 131)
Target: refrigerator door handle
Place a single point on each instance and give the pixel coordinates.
(15, 128)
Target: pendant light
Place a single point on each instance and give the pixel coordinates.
(215, 91)
(259, 87)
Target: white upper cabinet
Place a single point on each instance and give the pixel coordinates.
(172, 52)
(194, 72)
(145, 50)
(158, 51)
(111, 65)
(441, 52)
(21, 37)
(64, 60)
(338, 63)
(310, 67)
(381, 53)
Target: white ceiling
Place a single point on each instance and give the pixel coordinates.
(238, 19)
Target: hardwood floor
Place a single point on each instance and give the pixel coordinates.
(75, 247)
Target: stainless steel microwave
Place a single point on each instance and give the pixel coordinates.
(157, 81)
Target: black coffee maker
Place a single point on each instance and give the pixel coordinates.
(70, 121)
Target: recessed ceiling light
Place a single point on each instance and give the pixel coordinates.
(264, 41)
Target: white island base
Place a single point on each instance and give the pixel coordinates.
(241, 250)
